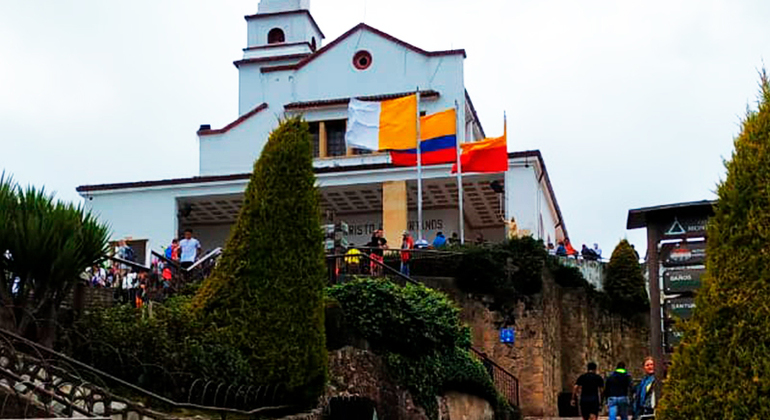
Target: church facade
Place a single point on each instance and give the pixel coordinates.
(287, 69)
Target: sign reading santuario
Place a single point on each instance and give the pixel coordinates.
(682, 280)
(681, 307)
(682, 254)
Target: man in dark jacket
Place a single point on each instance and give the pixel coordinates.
(617, 389)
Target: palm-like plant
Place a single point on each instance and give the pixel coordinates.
(49, 245)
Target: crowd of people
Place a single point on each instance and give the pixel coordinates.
(136, 284)
(565, 249)
(622, 395)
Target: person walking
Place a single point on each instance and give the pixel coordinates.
(407, 243)
(190, 249)
(644, 395)
(588, 391)
(617, 390)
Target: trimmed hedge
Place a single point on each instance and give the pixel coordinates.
(721, 369)
(419, 333)
(624, 283)
(266, 293)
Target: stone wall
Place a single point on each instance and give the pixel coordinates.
(459, 406)
(558, 332)
(357, 373)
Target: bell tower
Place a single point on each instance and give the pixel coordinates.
(282, 28)
(281, 33)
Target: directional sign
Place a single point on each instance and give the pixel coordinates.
(682, 280)
(684, 253)
(673, 338)
(681, 307)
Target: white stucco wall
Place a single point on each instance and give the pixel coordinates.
(236, 151)
(331, 75)
(150, 213)
(527, 198)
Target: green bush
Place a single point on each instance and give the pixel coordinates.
(565, 275)
(419, 333)
(721, 369)
(624, 283)
(411, 320)
(505, 270)
(266, 293)
(163, 353)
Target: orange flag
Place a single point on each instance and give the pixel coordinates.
(488, 155)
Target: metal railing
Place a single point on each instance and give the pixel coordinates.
(505, 382)
(63, 386)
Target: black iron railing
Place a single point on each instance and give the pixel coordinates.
(63, 386)
(505, 382)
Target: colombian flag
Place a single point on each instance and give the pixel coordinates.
(386, 125)
(488, 155)
(438, 135)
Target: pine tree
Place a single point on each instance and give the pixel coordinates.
(624, 282)
(266, 293)
(721, 370)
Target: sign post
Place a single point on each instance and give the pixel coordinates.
(676, 254)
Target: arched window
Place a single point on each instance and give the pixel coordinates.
(312, 44)
(275, 36)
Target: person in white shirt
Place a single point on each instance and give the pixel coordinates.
(597, 251)
(190, 249)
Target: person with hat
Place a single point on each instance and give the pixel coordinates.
(407, 243)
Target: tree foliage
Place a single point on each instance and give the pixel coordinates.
(721, 369)
(624, 283)
(267, 290)
(418, 331)
(45, 245)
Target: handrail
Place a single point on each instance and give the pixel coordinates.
(132, 264)
(507, 376)
(376, 262)
(211, 254)
(74, 362)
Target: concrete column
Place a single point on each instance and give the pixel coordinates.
(394, 211)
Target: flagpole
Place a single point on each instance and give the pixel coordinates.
(419, 171)
(460, 129)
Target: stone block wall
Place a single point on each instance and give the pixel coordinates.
(558, 332)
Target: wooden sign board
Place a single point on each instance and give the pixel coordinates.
(681, 307)
(683, 254)
(682, 280)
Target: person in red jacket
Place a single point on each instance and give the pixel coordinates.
(407, 243)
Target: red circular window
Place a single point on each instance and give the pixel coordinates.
(362, 60)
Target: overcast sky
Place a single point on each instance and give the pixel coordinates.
(632, 103)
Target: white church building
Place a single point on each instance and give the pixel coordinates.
(287, 69)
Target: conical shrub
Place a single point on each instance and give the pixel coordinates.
(721, 370)
(624, 282)
(266, 293)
